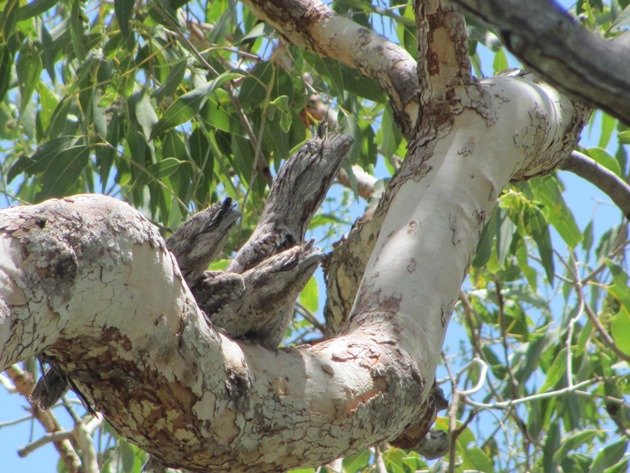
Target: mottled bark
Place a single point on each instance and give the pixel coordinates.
(580, 63)
(314, 26)
(89, 282)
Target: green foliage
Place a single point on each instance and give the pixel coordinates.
(166, 104)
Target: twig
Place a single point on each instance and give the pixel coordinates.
(47, 438)
(7, 384)
(9, 423)
(380, 463)
(605, 336)
(618, 250)
(482, 377)
(310, 317)
(365, 181)
(24, 385)
(501, 306)
(533, 397)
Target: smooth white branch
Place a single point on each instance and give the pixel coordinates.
(89, 281)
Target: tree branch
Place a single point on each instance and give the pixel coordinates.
(443, 63)
(606, 180)
(111, 308)
(313, 26)
(365, 181)
(565, 54)
(24, 385)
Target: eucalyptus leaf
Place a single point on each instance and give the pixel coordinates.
(187, 105)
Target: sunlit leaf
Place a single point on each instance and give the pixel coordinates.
(187, 105)
(173, 80)
(548, 191)
(34, 8)
(624, 137)
(309, 296)
(605, 159)
(574, 440)
(620, 329)
(357, 462)
(28, 67)
(556, 371)
(500, 62)
(62, 171)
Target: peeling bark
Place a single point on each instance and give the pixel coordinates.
(90, 282)
(582, 64)
(312, 25)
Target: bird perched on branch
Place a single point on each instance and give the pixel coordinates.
(317, 110)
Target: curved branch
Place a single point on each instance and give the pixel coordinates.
(606, 180)
(365, 181)
(568, 56)
(110, 306)
(312, 25)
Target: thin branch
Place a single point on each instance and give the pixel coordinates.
(606, 338)
(620, 248)
(313, 26)
(380, 463)
(603, 333)
(606, 180)
(513, 402)
(310, 317)
(504, 336)
(482, 377)
(9, 423)
(564, 53)
(44, 440)
(364, 180)
(7, 384)
(24, 385)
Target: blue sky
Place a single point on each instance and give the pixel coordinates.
(586, 201)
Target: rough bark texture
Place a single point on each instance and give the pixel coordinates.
(312, 25)
(109, 305)
(90, 283)
(581, 64)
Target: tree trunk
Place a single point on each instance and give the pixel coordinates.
(89, 282)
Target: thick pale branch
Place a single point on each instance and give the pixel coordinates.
(606, 180)
(428, 225)
(312, 25)
(88, 281)
(568, 56)
(345, 265)
(194, 244)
